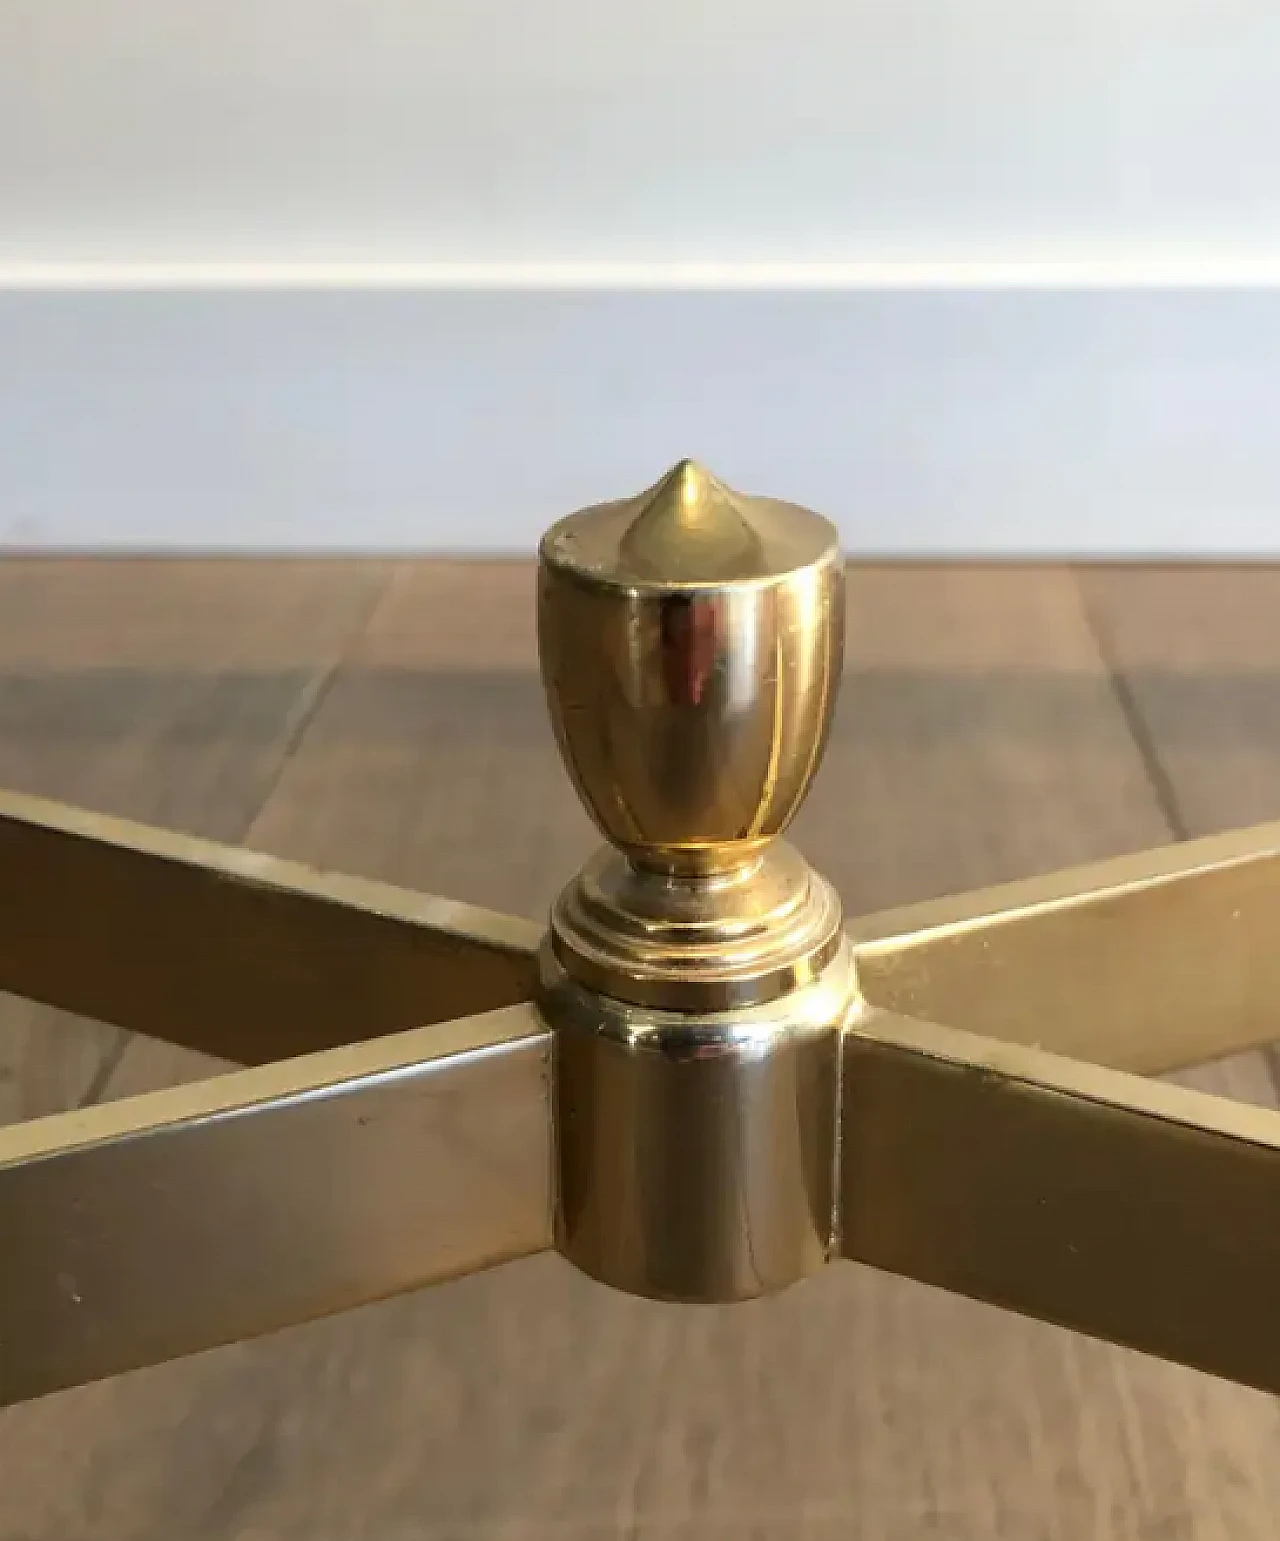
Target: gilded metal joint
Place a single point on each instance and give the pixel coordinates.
(696, 974)
(672, 1085)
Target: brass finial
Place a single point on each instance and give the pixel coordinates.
(696, 971)
(691, 642)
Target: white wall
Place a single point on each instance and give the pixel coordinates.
(594, 130)
(425, 272)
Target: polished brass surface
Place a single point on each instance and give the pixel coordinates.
(1133, 1210)
(143, 1229)
(695, 974)
(1146, 963)
(715, 1090)
(697, 1152)
(691, 641)
(697, 941)
(232, 952)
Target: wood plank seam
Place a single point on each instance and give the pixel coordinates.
(1163, 787)
(308, 705)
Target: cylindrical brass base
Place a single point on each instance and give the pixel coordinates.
(697, 1151)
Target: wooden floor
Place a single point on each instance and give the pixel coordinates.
(387, 719)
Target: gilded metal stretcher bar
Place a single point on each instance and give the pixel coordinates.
(394, 1111)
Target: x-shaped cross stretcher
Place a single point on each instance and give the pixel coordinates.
(393, 1128)
(669, 1087)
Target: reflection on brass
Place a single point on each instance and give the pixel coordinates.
(691, 641)
(697, 1150)
(231, 952)
(1130, 1209)
(1146, 963)
(696, 973)
(718, 1088)
(171, 1222)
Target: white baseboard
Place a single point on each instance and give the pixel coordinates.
(930, 420)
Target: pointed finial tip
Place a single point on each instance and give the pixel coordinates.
(688, 530)
(687, 487)
(691, 479)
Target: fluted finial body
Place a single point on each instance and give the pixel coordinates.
(695, 970)
(691, 641)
